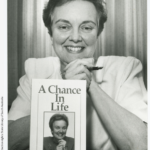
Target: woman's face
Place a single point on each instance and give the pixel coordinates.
(59, 129)
(74, 29)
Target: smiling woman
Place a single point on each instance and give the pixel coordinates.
(124, 35)
(73, 37)
(116, 95)
(58, 125)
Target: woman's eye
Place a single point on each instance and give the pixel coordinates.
(86, 28)
(64, 28)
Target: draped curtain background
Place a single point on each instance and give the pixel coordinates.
(125, 34)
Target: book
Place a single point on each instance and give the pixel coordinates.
(54, 97)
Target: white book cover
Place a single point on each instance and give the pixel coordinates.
(51, 97)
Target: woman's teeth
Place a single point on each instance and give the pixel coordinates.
(74, 49)
(60, 135)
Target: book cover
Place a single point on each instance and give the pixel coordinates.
(52, 98)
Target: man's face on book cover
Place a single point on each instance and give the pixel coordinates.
(59, 129)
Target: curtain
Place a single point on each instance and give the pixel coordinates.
(125, 34)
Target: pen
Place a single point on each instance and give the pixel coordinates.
(94, 68)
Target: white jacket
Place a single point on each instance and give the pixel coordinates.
(121, 78)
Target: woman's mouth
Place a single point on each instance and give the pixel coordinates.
(60, 135)
(74, 49)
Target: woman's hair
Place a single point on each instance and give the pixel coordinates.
(57, 117)
(100, 6)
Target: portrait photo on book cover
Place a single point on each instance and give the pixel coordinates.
(59, 131)
(100, 42)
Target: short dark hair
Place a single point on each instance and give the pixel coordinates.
(100, 6)
(57, 117)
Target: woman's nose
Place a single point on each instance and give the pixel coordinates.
(60, 130)
(75, 36)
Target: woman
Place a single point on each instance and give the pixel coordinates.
(58, 124)
(116, 105)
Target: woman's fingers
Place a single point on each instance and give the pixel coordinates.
(62, 143)
(87, 62)
(79, 70)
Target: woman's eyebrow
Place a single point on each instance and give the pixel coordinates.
(62, 20)
(84, 22)
(89, 21)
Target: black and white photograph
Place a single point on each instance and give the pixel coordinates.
(58, 131)
(100, 42)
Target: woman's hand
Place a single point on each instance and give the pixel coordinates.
(61, 145)
(77, 70)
